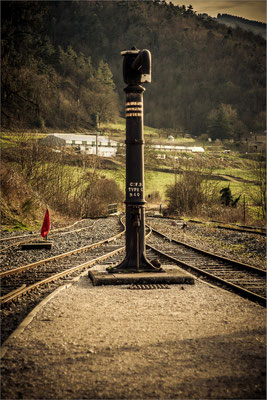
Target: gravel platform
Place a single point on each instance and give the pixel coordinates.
(109, 342)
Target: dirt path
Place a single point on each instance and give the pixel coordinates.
(185, 342)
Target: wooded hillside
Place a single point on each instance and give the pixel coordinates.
(61, 67)
(259, 28)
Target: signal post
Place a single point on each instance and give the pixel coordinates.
(136, 70)
(136, 268)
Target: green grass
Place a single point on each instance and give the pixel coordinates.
(150, 133)
(231, 164)
(119, 125)
(158, 181)
(12, 139)
(237, 188)
(245, 174)
(155, 181)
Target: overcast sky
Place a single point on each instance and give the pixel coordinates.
(251, 9)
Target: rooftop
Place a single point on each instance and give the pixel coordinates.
(73, 136)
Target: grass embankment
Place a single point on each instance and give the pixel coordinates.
(227, 170)
(155, 181)
(224, 169)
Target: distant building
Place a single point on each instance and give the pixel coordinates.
(197, 149)
(161, 156)
(89, 144)
(255, 143)
(163, 147)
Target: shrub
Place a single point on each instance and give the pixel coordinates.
(186, 194)
(96, 196)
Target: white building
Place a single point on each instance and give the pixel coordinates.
(163, 147)
(89, 144)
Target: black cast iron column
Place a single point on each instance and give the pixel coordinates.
(136, 70)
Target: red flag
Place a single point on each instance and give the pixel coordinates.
(46, 224)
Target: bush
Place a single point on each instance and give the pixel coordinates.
(186, 195)
(95, 197)
(52, 177)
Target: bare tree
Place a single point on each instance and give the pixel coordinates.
(257, 192)
(193, 189)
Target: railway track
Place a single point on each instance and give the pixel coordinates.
(246, 280)
(64, 241)
(222, 225)
(28, 235)
(21, 280)
(214, 267)
(18, 281)
(24, 286)
(12, 282)
(240, 228)
(28, 238)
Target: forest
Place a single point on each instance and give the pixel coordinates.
(259, 28)
(62, 69)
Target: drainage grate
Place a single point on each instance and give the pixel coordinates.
(148, 287)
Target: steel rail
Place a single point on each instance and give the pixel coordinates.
(242, 291)
(239, 228)
(262, 233)
(59, 256)
(249, 227)
(24, 290)
(260, 271)
(51, 234)
(38, 234)
(2, 298)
